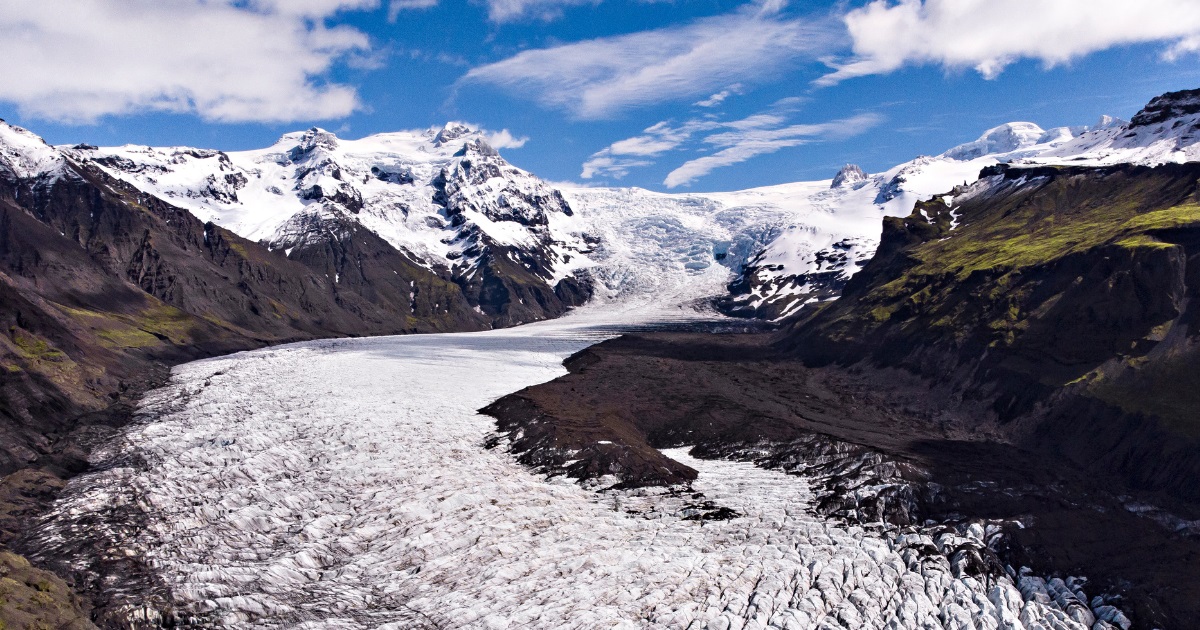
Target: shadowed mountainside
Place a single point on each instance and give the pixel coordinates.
(1061, 298)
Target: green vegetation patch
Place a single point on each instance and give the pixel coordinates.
(1186, 215)
(35, 347)
(33, 598)
(169, 322)
(113, 330)
(145, 329)
(1033, 230)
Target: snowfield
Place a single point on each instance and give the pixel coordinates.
(344, 484)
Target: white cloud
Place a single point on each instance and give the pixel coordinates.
(601, 77)
(605, 165)
(225, 60)
(547, 10)
(617, 159)
(719, 97)
(643, 145)
(503, 139)
(751, 140)
(304, 8)
(396, 6)
(735, 141)
(988, 35)
(1187, 46)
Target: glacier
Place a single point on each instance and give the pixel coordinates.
(345, 484)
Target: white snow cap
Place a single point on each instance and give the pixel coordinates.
(25, 154)
(849, 175)
(1006, 138)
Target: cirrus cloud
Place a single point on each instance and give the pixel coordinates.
(750, 141)
(600, 78)
(725, 143)
(545, 10)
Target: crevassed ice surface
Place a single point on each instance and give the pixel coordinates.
(344, 484)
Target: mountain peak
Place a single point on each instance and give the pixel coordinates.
(1001, 139)
(1108, 122)
(316, 138)
(849, 175)
(452, 131)
(26, 154)
(478, 146)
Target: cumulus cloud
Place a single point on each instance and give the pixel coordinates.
(504, 139)
(988, 35)
(750, 141)
(602, 77)
(225, 60)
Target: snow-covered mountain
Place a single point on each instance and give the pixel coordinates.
(522, 249)
(443, 197)
(835, 228)
(24, 155)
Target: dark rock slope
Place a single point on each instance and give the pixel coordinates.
(1063, 298)
(102, 282)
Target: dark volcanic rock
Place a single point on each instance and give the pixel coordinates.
(1168, 106)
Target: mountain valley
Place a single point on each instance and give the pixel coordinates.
(979, 363)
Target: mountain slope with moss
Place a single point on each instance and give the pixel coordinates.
(1061, 296)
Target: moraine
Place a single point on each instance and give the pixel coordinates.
(345, 484)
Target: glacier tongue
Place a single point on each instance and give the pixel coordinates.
(343, 484)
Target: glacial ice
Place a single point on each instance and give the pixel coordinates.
(344, 484)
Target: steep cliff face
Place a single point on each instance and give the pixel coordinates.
(1058, 295)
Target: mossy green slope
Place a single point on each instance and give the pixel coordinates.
(1064, 296)
(1078, 253)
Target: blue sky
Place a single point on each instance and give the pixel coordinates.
(667, 95)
